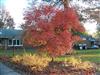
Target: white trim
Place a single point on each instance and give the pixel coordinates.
(14, 45)
(20, 44)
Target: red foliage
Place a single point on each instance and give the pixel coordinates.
(53, 29)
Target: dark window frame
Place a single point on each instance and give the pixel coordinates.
(10, 42)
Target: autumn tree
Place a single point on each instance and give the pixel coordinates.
(52, 29)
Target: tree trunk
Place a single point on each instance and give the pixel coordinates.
(65, 3)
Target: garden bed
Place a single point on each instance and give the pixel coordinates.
(53, 68)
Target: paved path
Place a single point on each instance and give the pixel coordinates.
(4, 70)
(98, 73)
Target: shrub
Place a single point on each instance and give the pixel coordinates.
(78, 63)
(35, 62)
(17, 59)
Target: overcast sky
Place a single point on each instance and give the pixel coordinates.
(16, 9)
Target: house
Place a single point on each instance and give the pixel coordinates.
(10, 38)
(88, 42)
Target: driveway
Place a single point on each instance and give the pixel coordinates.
(4, 70)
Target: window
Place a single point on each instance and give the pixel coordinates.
(10, 42)
(18, 42)
(14, 42)
(0, 41)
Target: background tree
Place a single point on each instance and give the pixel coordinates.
(87, 9)
(23, 26)
(6, 21)
(98, 32)
(1, 24)
(52, 29)
(89, 13)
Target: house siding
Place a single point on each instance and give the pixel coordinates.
(10, 38)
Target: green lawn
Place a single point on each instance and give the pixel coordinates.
(92, 55)
(89, 55)
(85, 55)
(15, 52)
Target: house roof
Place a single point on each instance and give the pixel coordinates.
(10, 33)
(87, 37)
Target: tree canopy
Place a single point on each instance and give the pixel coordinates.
(52, 28)
(6, 21)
